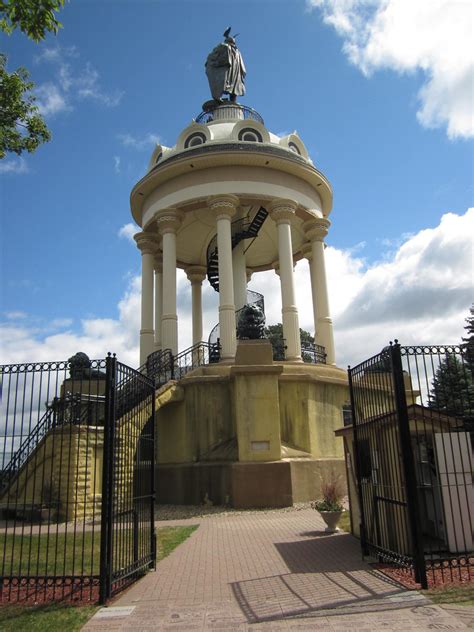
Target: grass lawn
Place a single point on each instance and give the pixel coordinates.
(54, 554)
(60, 617)
(460, 594)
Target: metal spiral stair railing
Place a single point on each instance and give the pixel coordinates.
(253, 298)
(244, 228)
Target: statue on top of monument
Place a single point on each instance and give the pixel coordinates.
(225, 69)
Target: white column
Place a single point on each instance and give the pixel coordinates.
(283, 212)
(147, 244)
(168, 222)
(158, 264)
(240, 276)
(316, 230)
(224, 207)
(196, 274)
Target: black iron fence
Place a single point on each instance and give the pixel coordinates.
(162, 366)
(74, 443)
(413, 413)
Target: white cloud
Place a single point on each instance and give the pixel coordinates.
(71, 84)
(14, 165)
(50, 100)
(128, 230)
(17, 315)
(420, 296)
(88, 87)
(117, 164)
(56, 53)
(148, 140)
(431, 36)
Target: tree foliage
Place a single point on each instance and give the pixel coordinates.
(468, 342)
(35, 18)
(22, 127)
(274, 333)
(452, 388)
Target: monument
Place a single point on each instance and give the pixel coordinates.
(229, 200)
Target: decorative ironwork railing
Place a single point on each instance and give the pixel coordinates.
(413, 421)
(162, 366)
(246, 113)
(313, 353)
(77, 478)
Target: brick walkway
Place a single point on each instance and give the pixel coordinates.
(269, 571)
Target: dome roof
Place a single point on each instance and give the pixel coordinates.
(228, 123)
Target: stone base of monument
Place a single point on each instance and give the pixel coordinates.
(254, 434)
(244, 485)
(254, 352)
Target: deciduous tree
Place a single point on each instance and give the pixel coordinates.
(22, 127)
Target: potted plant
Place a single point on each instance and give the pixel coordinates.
(330, 505)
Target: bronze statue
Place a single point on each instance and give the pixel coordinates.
(80, 368)
(225, 69)
(251, 323)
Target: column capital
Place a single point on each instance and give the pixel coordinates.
(147, 243)
(282, 211)
(307, 251)
(196, 274)
(316, 229)
(223, 205)
(249, 273)
(168, 220)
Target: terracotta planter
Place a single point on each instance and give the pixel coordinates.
(331, 518)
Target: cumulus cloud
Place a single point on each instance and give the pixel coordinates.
(434, 37)
(420, 295)
(71, 83)
(128, 230)
(139, 143)
(50, 100)
(14, 165)
(117, 164)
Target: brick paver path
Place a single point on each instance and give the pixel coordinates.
(269, 571)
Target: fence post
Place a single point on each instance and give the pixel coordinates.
(152, 481)
(363, 541)
(408, 464)
(106, 524)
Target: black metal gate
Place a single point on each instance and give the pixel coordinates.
(128, 541)
(76, 479)
(413, 412)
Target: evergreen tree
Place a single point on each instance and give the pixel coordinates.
(467, 345)
(452, 390)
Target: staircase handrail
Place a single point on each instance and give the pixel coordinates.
(162, 366)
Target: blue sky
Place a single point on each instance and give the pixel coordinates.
(380, 93)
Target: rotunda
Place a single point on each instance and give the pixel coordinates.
(229, 200)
